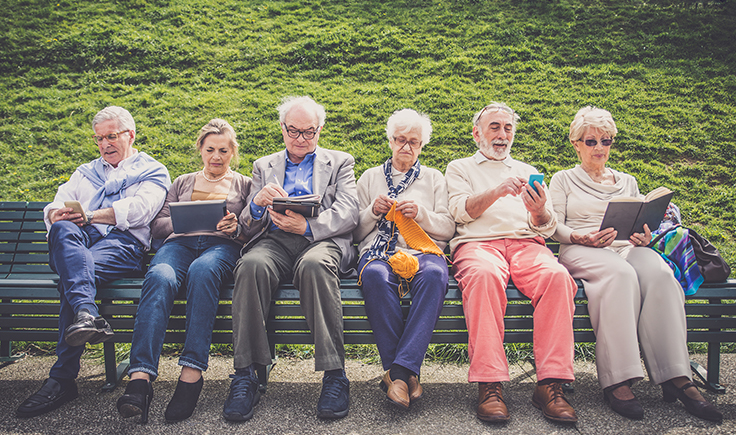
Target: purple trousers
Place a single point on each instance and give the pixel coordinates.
(403, 342)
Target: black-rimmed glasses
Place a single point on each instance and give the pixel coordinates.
(112, 137)
(306, 134)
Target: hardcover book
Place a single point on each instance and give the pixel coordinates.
(628, 215)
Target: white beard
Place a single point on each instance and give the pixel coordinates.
(489, 151)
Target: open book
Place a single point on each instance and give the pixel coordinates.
(305, 205)
(628, 215)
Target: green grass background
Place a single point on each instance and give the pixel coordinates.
(665, 69)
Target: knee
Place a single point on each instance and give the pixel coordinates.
(62, 229)
(374, 271)
(160, 276)
(311, 265)
(248, 266)
(435, 272)
(203, 270)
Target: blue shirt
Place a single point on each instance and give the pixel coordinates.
(297, 182)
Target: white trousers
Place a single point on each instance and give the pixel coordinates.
(633, 298)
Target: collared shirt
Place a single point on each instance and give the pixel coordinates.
(507, 218)
(297, 182)
(134, 211)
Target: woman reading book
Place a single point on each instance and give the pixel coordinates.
(633, 296)
(199, 262)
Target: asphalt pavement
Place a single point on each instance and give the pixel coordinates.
(289, 405)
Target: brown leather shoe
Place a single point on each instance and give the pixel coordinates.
(491, 406)
(415, 389)
(397, 391)
(551, 400)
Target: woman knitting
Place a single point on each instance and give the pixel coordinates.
(404, 225)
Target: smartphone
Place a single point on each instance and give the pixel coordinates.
(536, 177)
(77, 207)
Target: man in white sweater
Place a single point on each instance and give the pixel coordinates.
(501, 225)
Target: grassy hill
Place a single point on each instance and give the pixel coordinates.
(665, 69)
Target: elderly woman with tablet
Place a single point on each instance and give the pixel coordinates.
(634, 299)
(198, 261)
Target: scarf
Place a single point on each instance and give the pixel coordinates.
(384, 244)
(143, 168)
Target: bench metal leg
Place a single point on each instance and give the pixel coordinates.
(113, 373)
(6, 353)
(705, 377)
(263, 374)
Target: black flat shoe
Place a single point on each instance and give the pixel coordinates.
(182, 403)
(51, 396)
(136, 400)
(630, 408)
(699, 408)
(87, 327)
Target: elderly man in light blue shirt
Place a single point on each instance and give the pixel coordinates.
(119, 194)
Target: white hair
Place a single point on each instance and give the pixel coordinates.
(123, 117)
(405, 120)
(305, 103)
(592, 117)
(496, 107)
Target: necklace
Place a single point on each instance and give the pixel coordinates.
(216, 179)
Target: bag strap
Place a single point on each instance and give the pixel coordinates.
(660, 235)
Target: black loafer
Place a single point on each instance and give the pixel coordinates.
(49, 397)
(629, 408)
(86, 328)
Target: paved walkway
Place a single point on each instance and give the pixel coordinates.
(289, 406)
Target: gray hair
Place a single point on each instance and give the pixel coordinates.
(406, 120)
(305, 103)
(219, 126)
(592, 117)
(497, 107)
(123, 117)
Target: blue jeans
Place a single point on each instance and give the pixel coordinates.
(399, 342)
(84, 259)
(201, 264)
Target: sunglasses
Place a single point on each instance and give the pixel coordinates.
(593, 142)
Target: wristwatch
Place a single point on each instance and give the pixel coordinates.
(236, 234)
(89, 214)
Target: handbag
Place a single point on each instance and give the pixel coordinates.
(712, 266)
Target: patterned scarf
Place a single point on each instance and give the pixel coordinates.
(385, 242)
(676, 250)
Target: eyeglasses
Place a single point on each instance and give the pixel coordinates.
(112, 137)
(306, 134)
(401, 142)
(497, 108)
(593, 142)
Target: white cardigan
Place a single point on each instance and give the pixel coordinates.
(428, 191)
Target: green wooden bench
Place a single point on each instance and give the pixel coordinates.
(29, 306)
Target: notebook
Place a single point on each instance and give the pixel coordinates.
(190, 216)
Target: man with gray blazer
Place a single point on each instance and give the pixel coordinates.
(311, 252)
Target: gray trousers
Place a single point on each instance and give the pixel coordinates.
(633, 299)
(314, 268)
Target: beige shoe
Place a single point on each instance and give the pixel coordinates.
(397, 391)
(415, 389)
